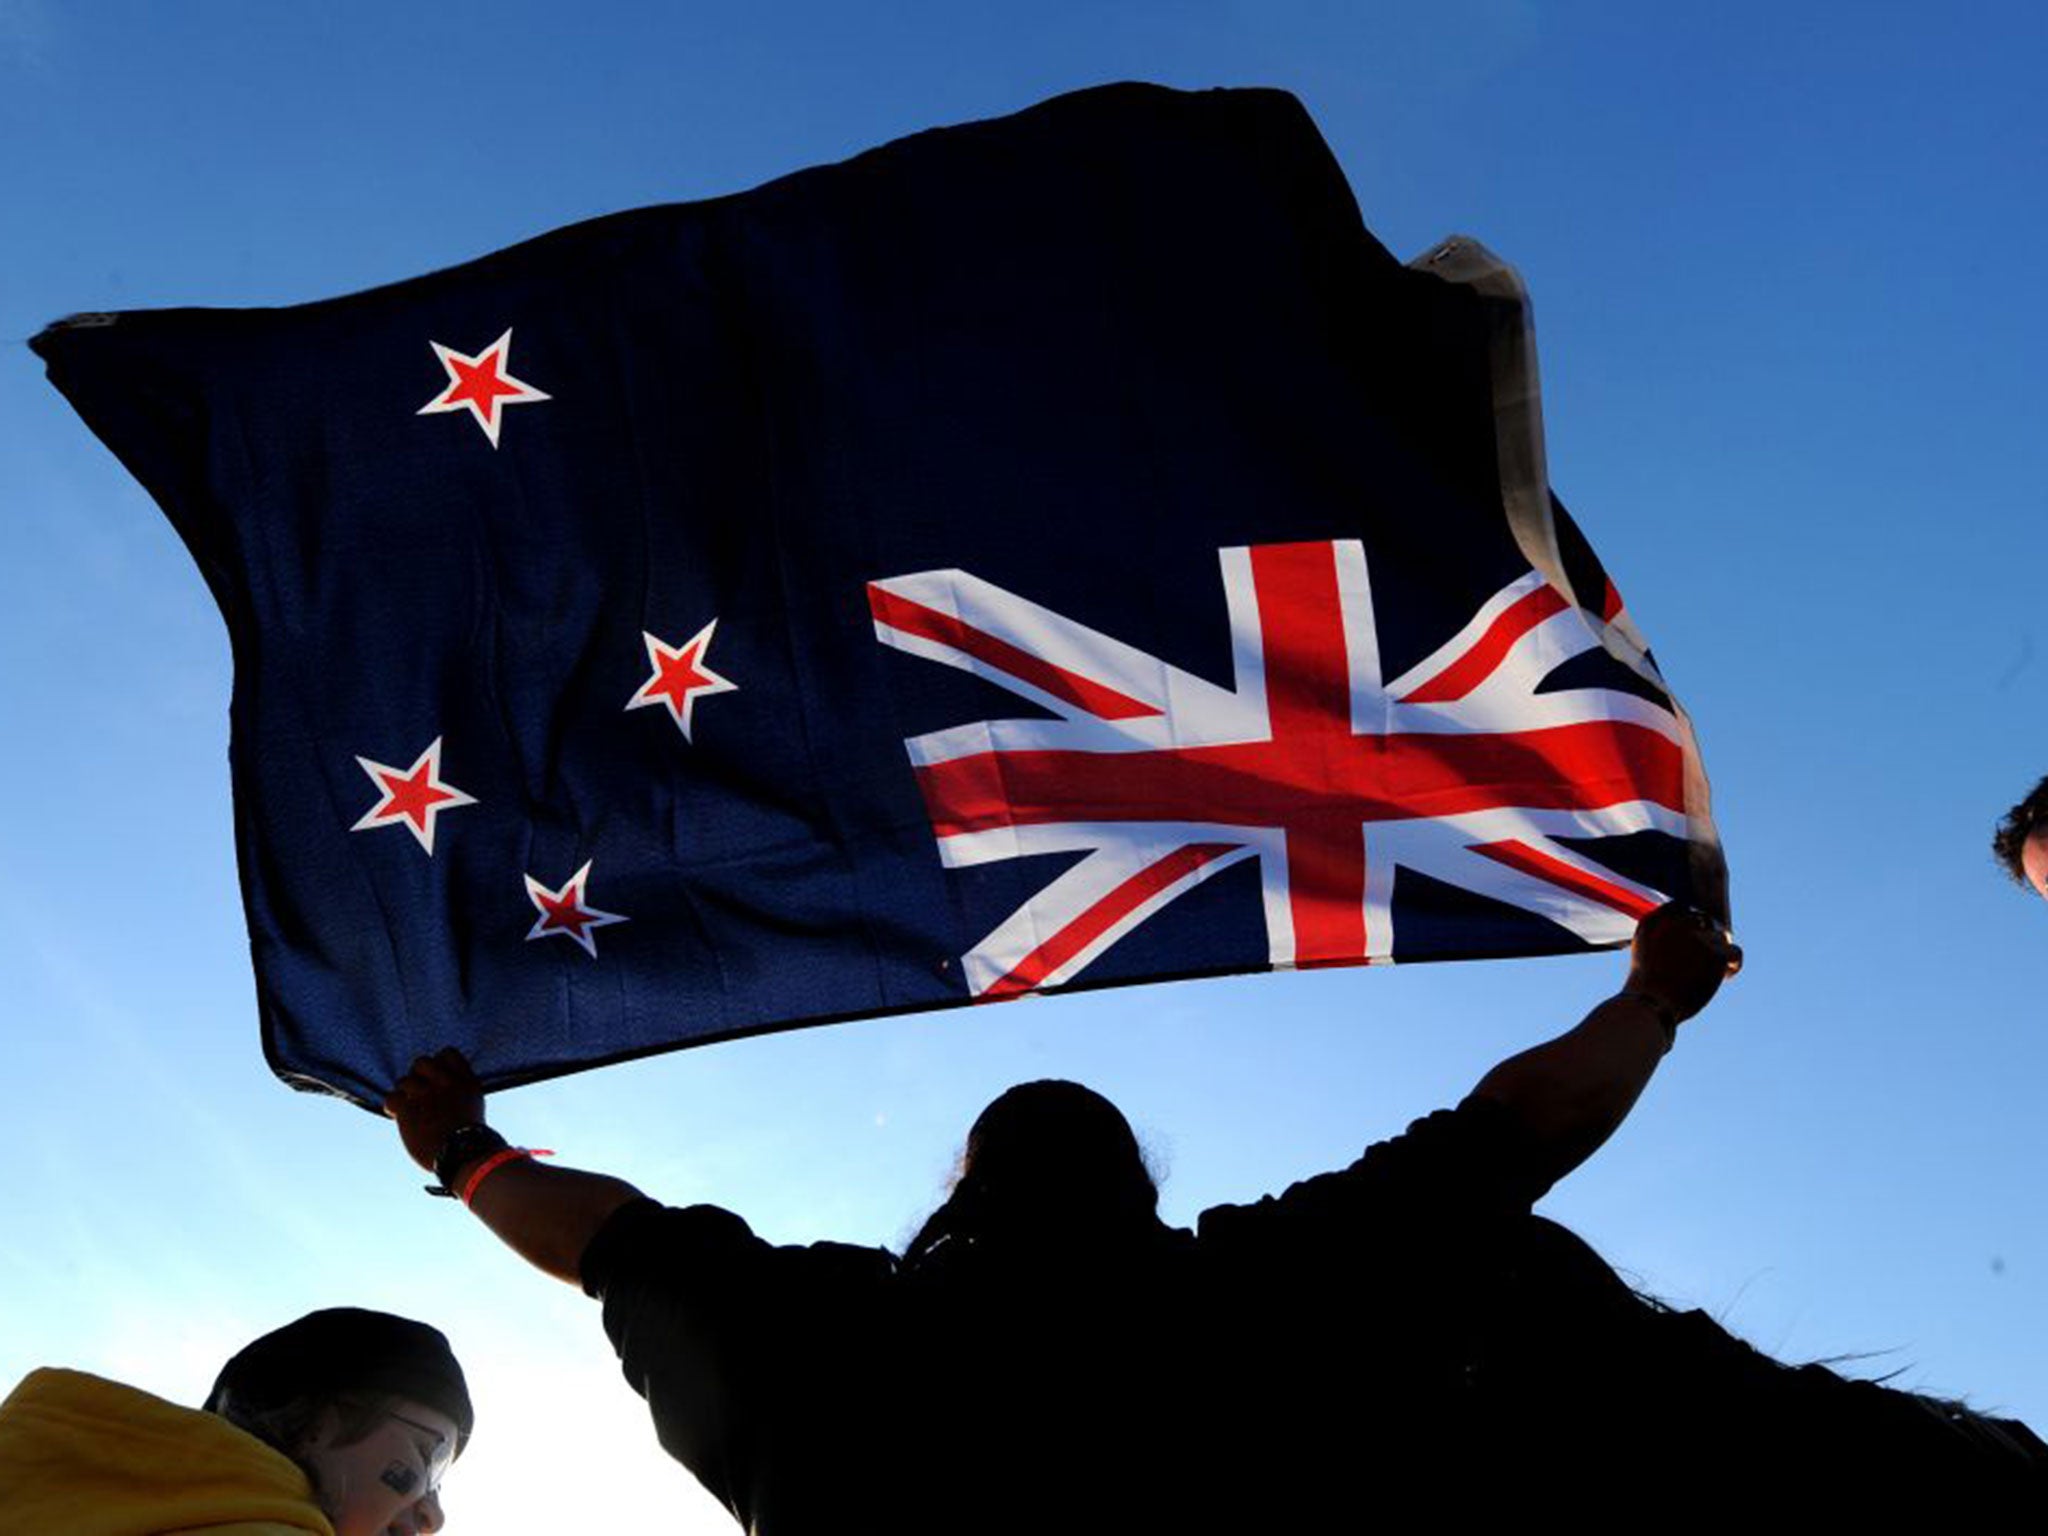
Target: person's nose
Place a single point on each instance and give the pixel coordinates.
(429, 1511)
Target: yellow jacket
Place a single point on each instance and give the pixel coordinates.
(80, 1456)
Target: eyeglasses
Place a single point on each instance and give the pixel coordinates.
(437, 1459)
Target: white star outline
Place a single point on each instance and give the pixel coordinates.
(488, 418)
(591, 916)
(659, 650)
(382, 815)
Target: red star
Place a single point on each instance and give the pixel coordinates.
(481, 385)
(680, 677)
(563, 911)
(412, 797)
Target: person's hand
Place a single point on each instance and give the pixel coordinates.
(436, 1098)
(1680, 958)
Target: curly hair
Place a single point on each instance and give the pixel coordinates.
(2022, 822)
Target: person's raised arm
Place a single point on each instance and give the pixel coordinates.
(545, 1214)
(1569, 1094)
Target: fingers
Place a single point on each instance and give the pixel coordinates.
(1682, 955)
(1714, 937)
(447, 1071)
(1682, 923)
(437, 1096)
(446, 1068)
(1718, 942)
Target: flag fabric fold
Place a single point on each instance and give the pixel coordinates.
(1058, 551)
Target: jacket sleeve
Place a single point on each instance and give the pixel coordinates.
(677, 1291)
(736, 1345)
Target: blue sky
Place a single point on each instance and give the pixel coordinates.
(1791, 338)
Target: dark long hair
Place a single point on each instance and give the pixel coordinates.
(1046, 1157)
(1576, 1342)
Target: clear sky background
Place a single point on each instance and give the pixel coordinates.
(1786, 268)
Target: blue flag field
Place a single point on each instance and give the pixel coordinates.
(1059, 551)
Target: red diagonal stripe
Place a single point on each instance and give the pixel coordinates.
(912, 618)
(1610, 604)
(1476, 665)
(1104, 915)
(1533, 861)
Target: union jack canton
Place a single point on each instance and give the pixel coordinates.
(1311, 762)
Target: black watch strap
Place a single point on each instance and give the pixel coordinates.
(465, 1144)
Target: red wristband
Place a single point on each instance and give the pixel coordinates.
(493, 1163)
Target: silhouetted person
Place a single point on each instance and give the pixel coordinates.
(2021, 841)
(1396, 1344)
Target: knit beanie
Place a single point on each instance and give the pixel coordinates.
(347, 1349)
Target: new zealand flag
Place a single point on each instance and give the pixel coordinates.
(1058, 551)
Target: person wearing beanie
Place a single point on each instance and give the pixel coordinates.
(338, 1424)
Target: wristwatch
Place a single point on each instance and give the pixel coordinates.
(465, 1144)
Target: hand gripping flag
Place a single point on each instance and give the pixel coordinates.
(1057, 551)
